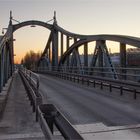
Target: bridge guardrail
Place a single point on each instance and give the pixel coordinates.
(129, 73)
(31, 82)
(33, 79)
(111, 83)
(123, 85)
(47, 114)
(50, 116)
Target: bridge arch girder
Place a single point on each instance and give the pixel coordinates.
(133, 41)
(31, 22)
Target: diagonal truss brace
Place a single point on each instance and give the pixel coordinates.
(101, 52)
(75, 63)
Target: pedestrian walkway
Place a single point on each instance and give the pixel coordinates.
(18, 121)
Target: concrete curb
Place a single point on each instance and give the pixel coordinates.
(4, 95)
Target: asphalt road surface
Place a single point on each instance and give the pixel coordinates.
(83, 105)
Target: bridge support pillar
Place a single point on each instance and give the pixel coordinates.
(49, 55)
(12, 54)
(75, 39)
(67, 45)
(100, 45)
(54, 49)
(0, 72)
(62, 44)
(86, 58)
(6, 65)
(86, 55)
(123, 59)
(100, 54)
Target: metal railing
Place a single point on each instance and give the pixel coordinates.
(46, 114)
(122, 85)
(31, 82)
(131, 74)
(50, 116)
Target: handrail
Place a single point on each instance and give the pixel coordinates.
(32, 77)
(98, 78)
(102, 81)
(132, 74)
(49, 116)
(31, 82)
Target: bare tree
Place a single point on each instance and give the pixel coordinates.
(30, 59)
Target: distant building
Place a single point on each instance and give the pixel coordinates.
(133, 57)
(115, 59)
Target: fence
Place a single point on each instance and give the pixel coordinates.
(122, 85)
(47, 114)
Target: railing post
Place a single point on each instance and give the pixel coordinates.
(101, 85)
(110, 87)
(121, 90)
(135, 94)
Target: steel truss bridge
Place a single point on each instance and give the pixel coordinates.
(61, 57)
(69, 59)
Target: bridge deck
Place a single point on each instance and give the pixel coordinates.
(96, 115)
(82, 104)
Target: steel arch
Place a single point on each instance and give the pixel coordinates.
(31, 22)
(134, 41)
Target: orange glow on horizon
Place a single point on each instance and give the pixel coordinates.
(28, 39)
(17, 59)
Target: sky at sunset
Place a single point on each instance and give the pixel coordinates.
(78, 16)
